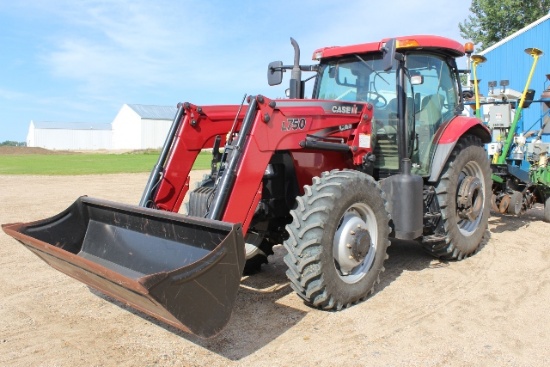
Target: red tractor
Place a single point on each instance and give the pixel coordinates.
(380, 151)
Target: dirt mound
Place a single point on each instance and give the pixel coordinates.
(31, 150)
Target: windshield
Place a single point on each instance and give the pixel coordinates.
(357, 78)
(362, 78)
(430, 90)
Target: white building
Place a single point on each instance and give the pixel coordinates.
(142, 126)
(134, 127)
(69, 135)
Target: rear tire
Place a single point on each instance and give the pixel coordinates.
(465, 225)
(338, 239)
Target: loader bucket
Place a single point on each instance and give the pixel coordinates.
(181, 270)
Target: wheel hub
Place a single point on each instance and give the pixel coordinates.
(361, 244)
(352, 243)
(470, 198)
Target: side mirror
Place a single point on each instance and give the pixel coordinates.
(467, 94)
(417, 79)
(275, 73)
(389, 54)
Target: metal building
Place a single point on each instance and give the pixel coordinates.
(69, 135)
(139, 126)
(134, 127)
(507, 60)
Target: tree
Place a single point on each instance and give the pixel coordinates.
(11, 143)
(492, 21)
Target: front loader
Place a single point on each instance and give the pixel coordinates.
(380, 151)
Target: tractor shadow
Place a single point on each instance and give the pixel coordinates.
(405, 256)
(260, 314)
(267, 308)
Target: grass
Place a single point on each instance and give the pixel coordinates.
(86, 164)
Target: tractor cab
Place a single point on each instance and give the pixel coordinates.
(429, 98)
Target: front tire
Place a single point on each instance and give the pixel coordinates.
(338, 239)
(464, 196)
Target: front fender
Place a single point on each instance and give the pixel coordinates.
(448, 135)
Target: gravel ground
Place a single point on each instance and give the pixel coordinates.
(489, 310)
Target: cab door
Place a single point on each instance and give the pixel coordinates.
(434, 92)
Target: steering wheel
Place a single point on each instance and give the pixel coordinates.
(375, 98)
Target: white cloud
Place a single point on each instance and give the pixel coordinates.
(127, 44)
(112, 46)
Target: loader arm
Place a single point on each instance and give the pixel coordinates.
(289, 125)
(197, 130)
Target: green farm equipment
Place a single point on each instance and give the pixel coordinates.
(519, 153)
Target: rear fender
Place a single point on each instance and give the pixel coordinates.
(448, 135)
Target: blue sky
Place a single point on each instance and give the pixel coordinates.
(80, 61)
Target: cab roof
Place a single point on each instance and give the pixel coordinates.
(444, 45)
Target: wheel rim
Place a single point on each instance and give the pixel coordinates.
(355, 243)
(468, 224)
(252, 245)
